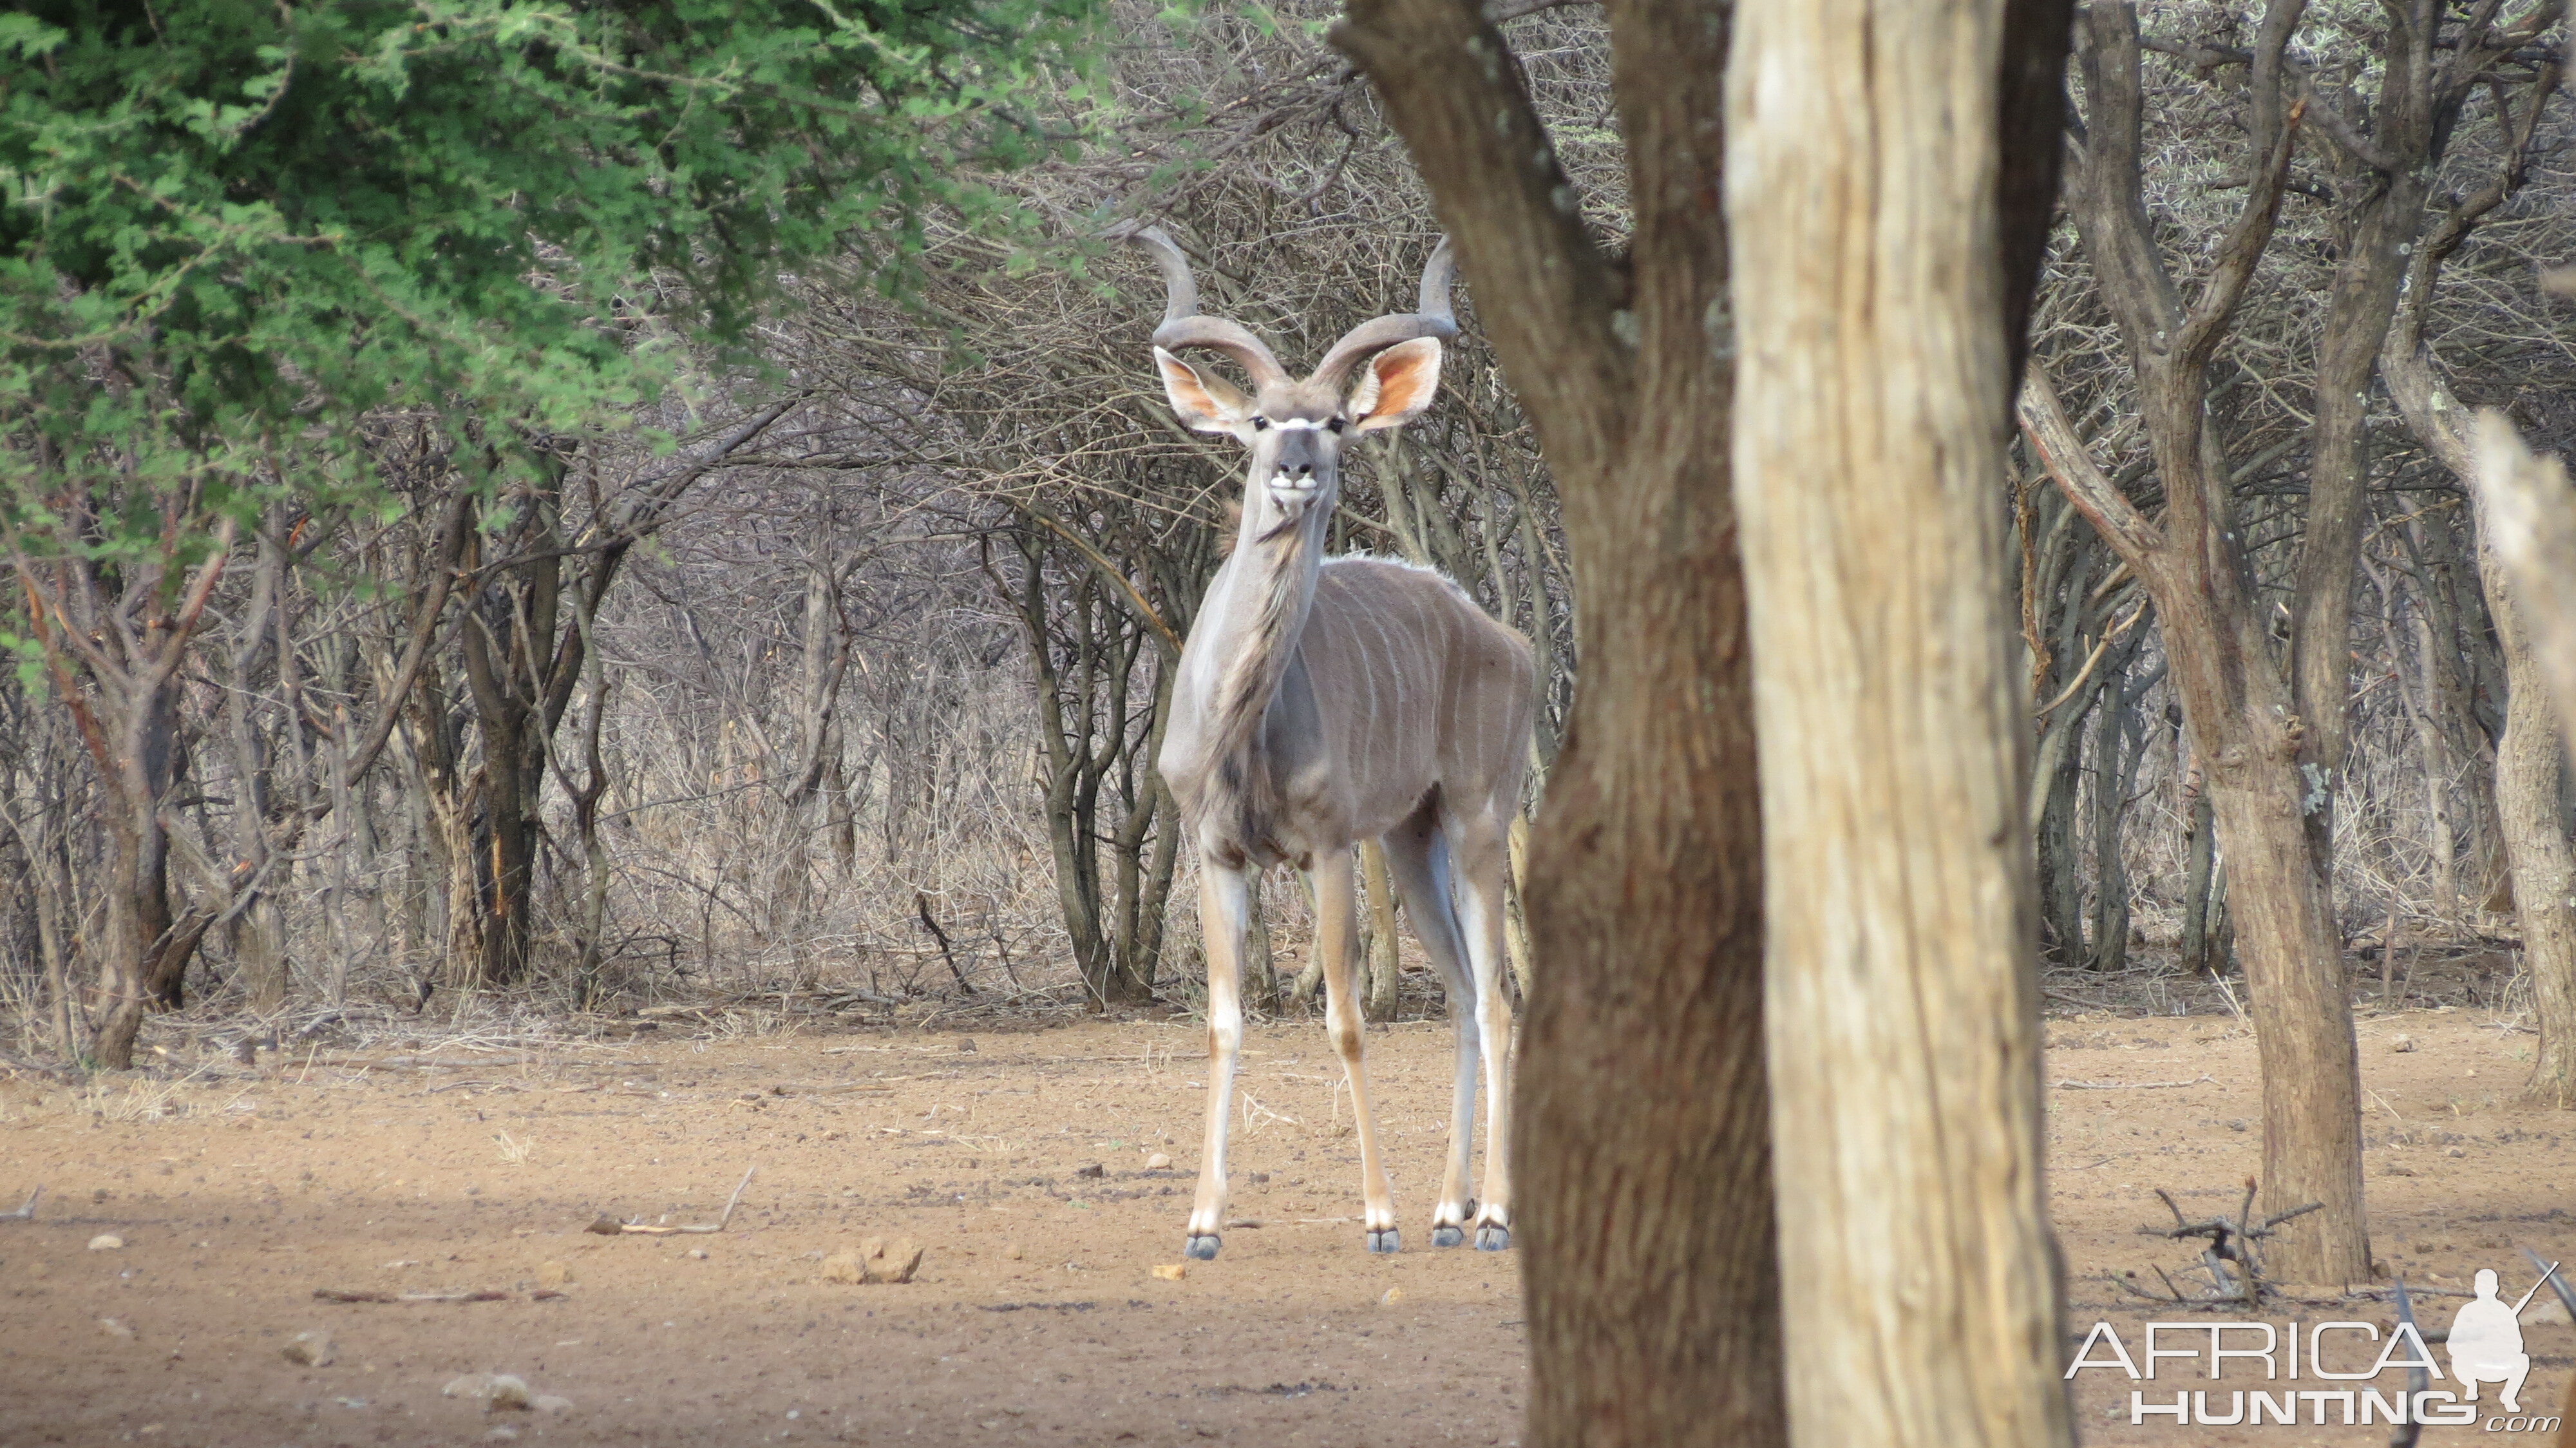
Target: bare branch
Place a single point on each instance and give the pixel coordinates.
(2070, 465)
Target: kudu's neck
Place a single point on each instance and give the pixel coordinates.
(1269, 587)
(1261, 608)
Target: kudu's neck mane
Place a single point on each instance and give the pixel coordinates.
(1270, 588)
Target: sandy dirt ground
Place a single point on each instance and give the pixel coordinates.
(1019, 1160)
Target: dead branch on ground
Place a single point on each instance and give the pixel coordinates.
(608, 1226)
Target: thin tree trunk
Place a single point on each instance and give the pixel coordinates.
(1378, 1002)
(2457, 637)
(2198, 889)
(2529, 765)
(1260, 964)
(2417, 693)
(258, 930)
(2115, 766)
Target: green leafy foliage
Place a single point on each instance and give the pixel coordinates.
(235, 235)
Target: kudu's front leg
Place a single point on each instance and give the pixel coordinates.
(1224, 905)
(1484, 866)
(1336, 905)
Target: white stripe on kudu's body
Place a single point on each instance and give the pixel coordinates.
(1324, 702)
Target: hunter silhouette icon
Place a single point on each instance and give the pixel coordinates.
(2486, 1341)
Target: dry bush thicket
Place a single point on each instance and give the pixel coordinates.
(851, 703)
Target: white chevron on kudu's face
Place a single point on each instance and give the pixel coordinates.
(1325, 702)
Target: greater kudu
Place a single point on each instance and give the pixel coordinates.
(1323, 702)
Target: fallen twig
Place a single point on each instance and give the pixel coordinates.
(26, 1213)
(2232, 1240)
(2557, 1284)
(608, 1226)
(2057, 995)
(2203, 1079)
(420, 1063)
(490, 1294)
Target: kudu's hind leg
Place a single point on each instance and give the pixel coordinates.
(1336, 905)
(1480, 847)
(1418, 859)
(1224, 896)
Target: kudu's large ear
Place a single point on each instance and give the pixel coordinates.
(1397, 385)
(1205, 403)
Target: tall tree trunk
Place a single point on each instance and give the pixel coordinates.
(130, 651)
(2238, 707)
(509, 653)
(1902, 920)
(2524, 555)
(523, 665)
(2527, 533)
(2529, 763)
(2199, 890)
(2457, 640)
(1641, 1142)
(2379, 228)
(258, 930)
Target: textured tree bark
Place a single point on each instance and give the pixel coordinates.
(2360, 304)
(2527, 549)
(1377, 936)
(2529, 762)
(1641, 1142)
(2390, 158)
(2237, 704)
(2527, 529)
(259, 929)
(1862, 180)
(509, 648)
(2199, 876)
(127, 719)
(2236, 707)
(2116, 752)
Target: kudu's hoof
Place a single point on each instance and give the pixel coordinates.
(1448, 1234)
(1385, 1240)
(1493, 1239)
(1202, 1247)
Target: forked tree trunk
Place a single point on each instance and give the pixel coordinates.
(2236, 706)
(1641, 1144)
(2265, 792)
(118, 679)
(1902, 915)
(524, 658)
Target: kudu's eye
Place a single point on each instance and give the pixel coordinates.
(1337, 424)
(1260, 423)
